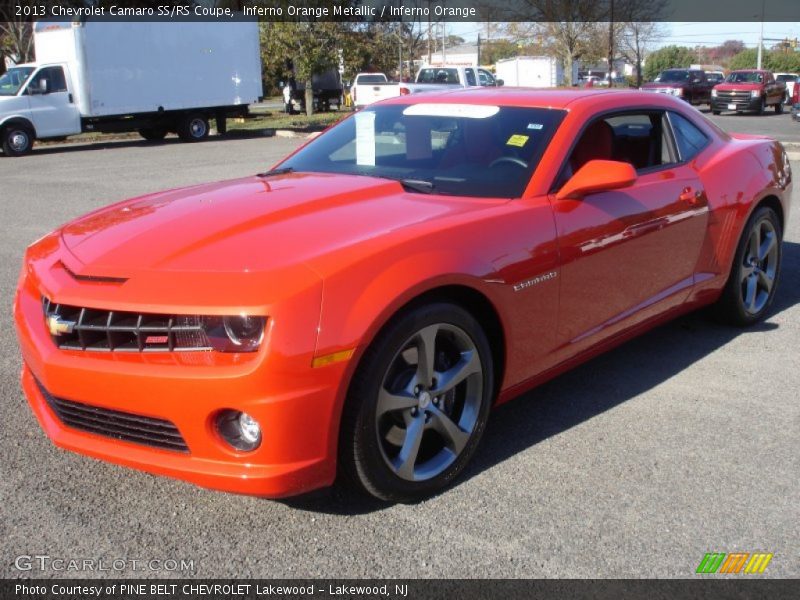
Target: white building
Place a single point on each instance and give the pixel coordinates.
(465, 55)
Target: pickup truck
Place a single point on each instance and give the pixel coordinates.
(428, 79)
(446, 77)
(789, 79)
(691, 85)
(748, 89)
(372, 87)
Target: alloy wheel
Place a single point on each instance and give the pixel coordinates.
(429, 402)
(759, 267)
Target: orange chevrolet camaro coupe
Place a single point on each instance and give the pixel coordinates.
(360, 308)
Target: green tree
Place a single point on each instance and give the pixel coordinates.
(747, 59)
(311, 46)
(666, 58)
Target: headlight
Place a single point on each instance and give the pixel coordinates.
(677, 91)
(755, 93)
(241, 333)
(713, 93)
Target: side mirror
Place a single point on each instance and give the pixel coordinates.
(498, 82)
(598, 176)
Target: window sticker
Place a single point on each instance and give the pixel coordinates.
(535, 126)
(468, 111)
(517, 140)
(365, 138)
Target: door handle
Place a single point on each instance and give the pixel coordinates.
(691, 196)
(70, 98)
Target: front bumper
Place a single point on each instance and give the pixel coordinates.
(739, 104)
(296, 405)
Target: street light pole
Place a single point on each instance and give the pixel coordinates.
(761, 35)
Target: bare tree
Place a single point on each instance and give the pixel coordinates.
(635, 42)
(639, 30)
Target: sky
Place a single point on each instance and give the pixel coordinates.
(684, 34)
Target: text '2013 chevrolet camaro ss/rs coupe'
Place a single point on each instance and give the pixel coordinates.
(360, 308)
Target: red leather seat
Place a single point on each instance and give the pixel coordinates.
(596, 143)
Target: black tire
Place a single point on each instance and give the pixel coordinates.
(762, 108)
(714, 112)
(17, 140)
(733, 306)
(779, 108)
(193, 128)
(370, 436)
(153, 134)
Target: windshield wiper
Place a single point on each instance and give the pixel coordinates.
(279, 171)
(418, 185)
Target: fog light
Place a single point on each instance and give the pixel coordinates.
(251, 430)
(239, 429)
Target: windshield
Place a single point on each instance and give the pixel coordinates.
(673, 76)
(745, 77)
(457, 149)
(372, 79)
(13, 79)
(787, 77)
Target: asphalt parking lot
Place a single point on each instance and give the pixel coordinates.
(682, 442)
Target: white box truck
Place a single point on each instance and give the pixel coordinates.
(150, 77)
(532, 71)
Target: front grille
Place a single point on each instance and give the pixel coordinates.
(77, 328)
(734, 97)
(116, 424)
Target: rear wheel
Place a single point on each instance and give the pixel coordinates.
(17, 140)
(153, 134)
(779, 108)
(418, 405)
(756, 268)
(193, 128)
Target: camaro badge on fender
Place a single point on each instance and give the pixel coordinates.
(57, 325)
(535, 281)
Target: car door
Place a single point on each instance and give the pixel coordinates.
(53, 110)
(631, 253)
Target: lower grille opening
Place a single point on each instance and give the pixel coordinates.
(116, 424)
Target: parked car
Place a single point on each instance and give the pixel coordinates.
(748, 90)
(84, 81)
(689, 84)
(795, 102)
(327, 90)
(371, 87)
(449, 77)
(205, 351)
(789, 79)
(715, 77)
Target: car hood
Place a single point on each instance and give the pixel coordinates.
(250, 224)
(727, 87)
(663, 84)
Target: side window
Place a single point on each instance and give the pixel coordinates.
(485, 77)
(470, 75)
(638, 138)
(54, 77)
(689, 139)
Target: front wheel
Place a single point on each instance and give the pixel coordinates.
(779, 108)
(756, 268)
(193, 128)
(17, 140)
(418, 404)
(762, 108)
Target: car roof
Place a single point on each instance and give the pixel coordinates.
(558, 98)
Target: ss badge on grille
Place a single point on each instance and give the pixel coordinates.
(57, 325)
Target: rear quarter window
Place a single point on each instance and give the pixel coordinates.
(689, 139)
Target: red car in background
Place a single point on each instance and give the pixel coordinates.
(748, 90)
(360, 308)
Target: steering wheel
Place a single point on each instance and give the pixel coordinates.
(509, 159)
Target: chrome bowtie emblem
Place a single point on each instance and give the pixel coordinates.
(58, 326)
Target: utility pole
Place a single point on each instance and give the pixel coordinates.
(761, 35)
(610, 43)
(444, 43)
(479, 50)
